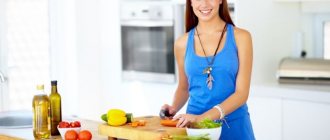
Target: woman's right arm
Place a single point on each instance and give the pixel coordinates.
(181, 94)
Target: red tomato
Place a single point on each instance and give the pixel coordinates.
(71, 135)
(75, 124)
(85, 135)
(63, 125)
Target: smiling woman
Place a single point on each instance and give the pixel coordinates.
(214, 62)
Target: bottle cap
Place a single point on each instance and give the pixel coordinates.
(54, 83)
(40, 87)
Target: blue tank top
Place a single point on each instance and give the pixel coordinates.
(224, 72)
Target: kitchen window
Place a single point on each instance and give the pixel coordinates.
(322, 36)
(326, 39)
(24, 51)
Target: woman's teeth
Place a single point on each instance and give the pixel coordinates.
(205, 11)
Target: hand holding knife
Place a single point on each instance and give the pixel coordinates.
(165, 114)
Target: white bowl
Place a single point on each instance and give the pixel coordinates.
(214, 133)
(63, 130)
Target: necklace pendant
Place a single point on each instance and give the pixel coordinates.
(207, 70)
(209, 81)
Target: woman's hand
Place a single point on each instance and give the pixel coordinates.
(171, 110)
(186, 119)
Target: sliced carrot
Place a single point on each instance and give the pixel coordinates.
(135, 124)
(142, 122)
(168, 122)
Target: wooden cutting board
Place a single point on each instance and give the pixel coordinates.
(153, 130)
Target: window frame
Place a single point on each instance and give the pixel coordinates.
(319, 34)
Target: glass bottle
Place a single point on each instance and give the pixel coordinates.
(55, 109)
(41, 110)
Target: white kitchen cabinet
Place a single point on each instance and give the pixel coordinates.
(305, 120)
(301, 0)
(266, 117)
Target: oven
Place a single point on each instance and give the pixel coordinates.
(148, 32)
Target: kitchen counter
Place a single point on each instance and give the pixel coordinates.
(27, 133)
(311, 93)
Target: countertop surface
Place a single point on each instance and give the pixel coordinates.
(303, 92)
(27, 133)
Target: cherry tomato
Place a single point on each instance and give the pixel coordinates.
(85, 135)
(71, 135)
(63, 125)
(75, 124)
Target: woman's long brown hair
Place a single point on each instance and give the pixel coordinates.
(192, 20)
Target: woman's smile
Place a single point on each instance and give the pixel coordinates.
(205, 12)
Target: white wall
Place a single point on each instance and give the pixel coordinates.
(272, 26)
(64, 52)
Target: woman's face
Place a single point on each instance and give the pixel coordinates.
(206, 9)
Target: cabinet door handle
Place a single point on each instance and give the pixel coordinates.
(2, 78)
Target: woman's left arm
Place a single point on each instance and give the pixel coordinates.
(245, 56)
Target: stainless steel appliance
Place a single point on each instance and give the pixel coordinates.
(148, 32)
(304, 70)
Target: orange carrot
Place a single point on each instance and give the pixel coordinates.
(168, 122)
(142, 122)
(135, 124)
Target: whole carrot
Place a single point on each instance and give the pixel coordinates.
(168, 122)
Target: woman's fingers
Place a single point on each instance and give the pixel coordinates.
(180, 122)
(165, 106)
(184, 119)
(177, 117)
(184, 123)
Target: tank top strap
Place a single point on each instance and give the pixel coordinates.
(190, 42)
(231, 37)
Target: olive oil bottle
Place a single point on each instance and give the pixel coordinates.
(41, 110)
(55, 109)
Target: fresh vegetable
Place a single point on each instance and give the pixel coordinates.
(142, 122)
(85, 135)
(63, 124)
(138, 123)
(135, 124)
(75, 124)
(116, 117)
(116, 112)
(71, 135)
(206, 123)
(104, 117)
(129, 117)
(168, 122)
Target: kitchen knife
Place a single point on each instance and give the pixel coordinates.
(163, 114)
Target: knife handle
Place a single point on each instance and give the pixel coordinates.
(164, 113)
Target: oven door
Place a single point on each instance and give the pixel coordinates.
(147, 51)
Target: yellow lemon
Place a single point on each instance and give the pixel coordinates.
(116, 117)
(116, 112)
(116, 121)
